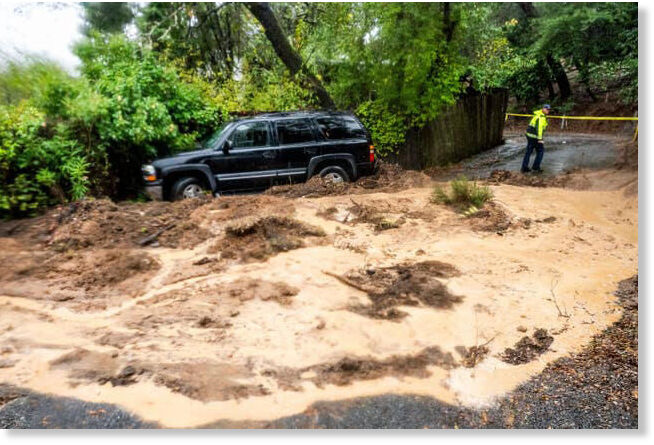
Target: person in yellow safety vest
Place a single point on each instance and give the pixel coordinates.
(535, 130)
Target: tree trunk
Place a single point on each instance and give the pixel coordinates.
(556, 67)
(448, 24)
(560, 76)
(264, 14)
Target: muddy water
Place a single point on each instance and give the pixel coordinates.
(562, 153)
(250, 361)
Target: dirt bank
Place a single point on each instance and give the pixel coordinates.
(251, 308)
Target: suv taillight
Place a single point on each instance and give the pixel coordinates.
(372, 153)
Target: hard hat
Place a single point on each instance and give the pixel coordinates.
(547, 106)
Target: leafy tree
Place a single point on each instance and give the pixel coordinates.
(109, 17)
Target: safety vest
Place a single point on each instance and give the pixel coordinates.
(537, 125)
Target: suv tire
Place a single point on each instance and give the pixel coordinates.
(335, 173)
(185, 188)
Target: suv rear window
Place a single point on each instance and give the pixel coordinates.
(294, 131)
(340, 127)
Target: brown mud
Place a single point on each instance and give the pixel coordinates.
(255, 307)
(388, 178)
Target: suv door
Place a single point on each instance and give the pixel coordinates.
(297, 145)
(250, 163)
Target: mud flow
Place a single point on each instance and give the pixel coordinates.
(250, 308)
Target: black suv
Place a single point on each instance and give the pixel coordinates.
(275, 148)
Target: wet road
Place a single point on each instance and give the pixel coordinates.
(562, 153)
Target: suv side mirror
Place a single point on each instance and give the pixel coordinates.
(227, 146)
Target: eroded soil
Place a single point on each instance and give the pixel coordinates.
(255, 307)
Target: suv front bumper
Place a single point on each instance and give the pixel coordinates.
(154, 191)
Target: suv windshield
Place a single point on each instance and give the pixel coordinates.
(212, 140)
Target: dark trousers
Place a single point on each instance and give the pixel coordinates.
(532, 143)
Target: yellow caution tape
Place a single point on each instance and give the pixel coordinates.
(580, 118)
(583, 118)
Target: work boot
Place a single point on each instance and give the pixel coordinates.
(525, 170)
(537, 170)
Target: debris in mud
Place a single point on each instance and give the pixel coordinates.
(388, 178)
(350, 369)
(208, 322)
(127, 376)
(491, 218)
(566, 180)
(402, 285)
(472, 355)
(528, 348)
(364, 213)
(247, 289)
(257, 238)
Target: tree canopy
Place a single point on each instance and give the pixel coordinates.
(157, 77)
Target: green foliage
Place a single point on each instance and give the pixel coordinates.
(110, 17)
(463, 194)
(39, 165)
(62, 137)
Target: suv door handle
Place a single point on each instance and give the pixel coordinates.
(270, 154)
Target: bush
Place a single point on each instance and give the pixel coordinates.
(39, 164)
(463, 194)
(62, 138)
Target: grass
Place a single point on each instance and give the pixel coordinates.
(467, 196)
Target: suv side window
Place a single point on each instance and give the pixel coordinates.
(340, 127)
(294, 131)
(250, 135)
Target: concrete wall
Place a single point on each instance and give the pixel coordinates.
(475, 123)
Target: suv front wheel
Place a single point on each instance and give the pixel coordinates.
(185, 188)
(334, 174)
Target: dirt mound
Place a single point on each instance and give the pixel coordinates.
(350, 369)
(402, 285)
(388, 178)
(101, 223)
(111, 267)
(491, 218)
(89, 280)
(374, 215)
(259, 237)
(528, 348)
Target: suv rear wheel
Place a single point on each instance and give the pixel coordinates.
(334, 174)
(185, 188)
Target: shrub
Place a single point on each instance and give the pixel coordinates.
(39, 164)
(463, 194)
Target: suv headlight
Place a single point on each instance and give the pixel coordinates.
(149, 173)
